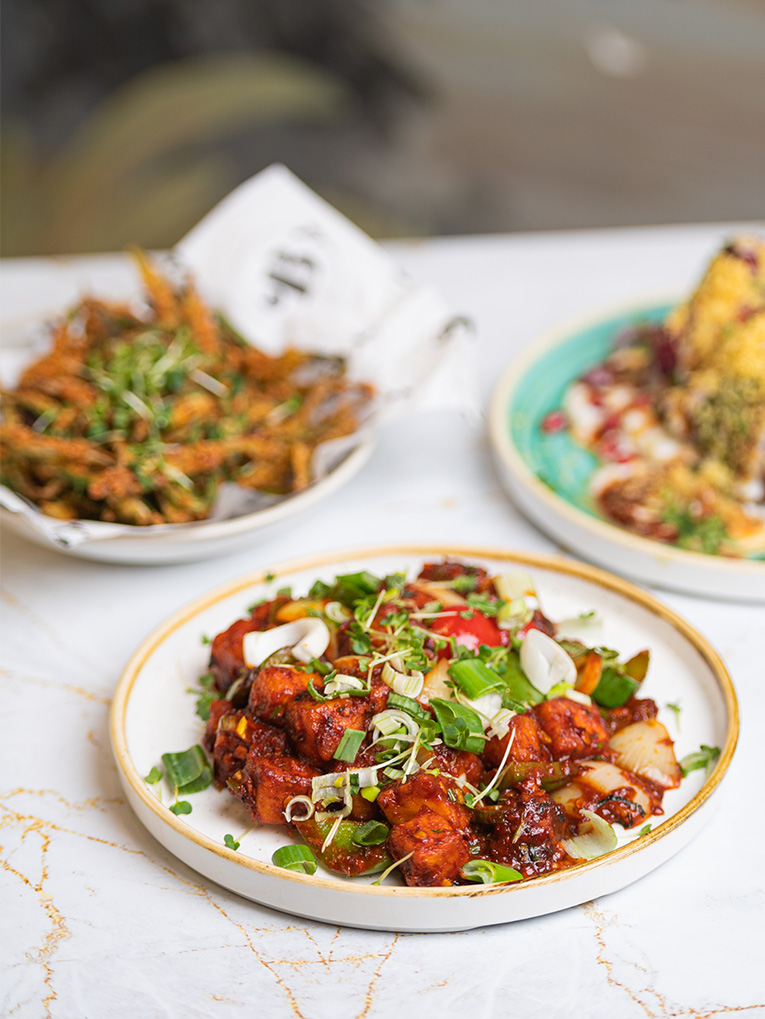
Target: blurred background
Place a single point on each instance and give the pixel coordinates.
(126, 120)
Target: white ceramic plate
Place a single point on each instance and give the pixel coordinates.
(202, 539)
(548, 476)
(153, 713)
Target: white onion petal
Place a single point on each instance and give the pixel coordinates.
(308, 638)
(545, 662)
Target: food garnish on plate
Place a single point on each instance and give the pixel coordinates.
(138, 415)
(440, 726)
(676, 413)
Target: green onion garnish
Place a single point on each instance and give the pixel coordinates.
(409, 705)
(297, 858)
(187, 771)
(349, 745)
(315, 693)
(373, 833)
(489, 873)
(317, 665)
(704, 757)
(474, 678)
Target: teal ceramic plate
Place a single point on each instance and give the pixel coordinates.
(548, 475)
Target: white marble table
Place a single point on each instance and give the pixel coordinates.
(99, 920)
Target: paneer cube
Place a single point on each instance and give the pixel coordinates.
(269, 783)
(529, 831)
(530, 742)
(276, 686)
(575, 730)
(316, 727)
(438, 851)
(404, 799)
(237, 735)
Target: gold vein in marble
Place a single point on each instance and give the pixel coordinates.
(602, 921)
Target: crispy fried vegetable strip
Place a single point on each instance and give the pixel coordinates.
(139, 418)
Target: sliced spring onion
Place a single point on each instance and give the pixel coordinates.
(340, 684)
(461, 727)
(512, 614)
(704, 757)
(488, 872)
(409, 705)
(371, 793)
(499, 723)
(390, 721)
(364, 777)
(296, 858)
(299, 801)
(596, 837)
(336, 611)
(516, 584)
(315, 693)
(187, 771)
(408, 685)
(349, 745)
(330, 787)
(373, 833)
(474, 677)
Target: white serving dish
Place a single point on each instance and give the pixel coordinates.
(152, 712)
